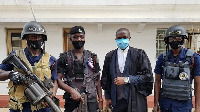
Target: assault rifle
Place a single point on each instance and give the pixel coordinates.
(36, 90)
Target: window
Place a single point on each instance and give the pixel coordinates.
(193, 41)
(160, 44)
(13, 40)
(67, 45)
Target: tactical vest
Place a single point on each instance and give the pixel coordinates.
(16, 92)
(90, 75)
(176, 79)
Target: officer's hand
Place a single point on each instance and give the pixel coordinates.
(156, 109)
(75, 95)
(100, 104)
(45, 104)
(17, 78)
(119, 81)
(108, 103)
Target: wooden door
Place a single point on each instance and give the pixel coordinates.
(67, 45)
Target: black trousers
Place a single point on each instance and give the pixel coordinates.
(121, 106)
(70, 106)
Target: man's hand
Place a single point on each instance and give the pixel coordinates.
(108, 103)
(75, 95)
(156, 109)
(100, 104)
(119, 81)
(17, 78)
(45, 104)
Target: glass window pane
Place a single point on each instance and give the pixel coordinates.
(160, 44)
(16, 41)
(161, 33)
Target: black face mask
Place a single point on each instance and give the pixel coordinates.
(175, 44)
(35, 44)
(78, 44)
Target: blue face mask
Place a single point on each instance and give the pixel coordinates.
(122, 43)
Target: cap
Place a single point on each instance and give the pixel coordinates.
(77, 29)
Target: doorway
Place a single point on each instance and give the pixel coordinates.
(67, 45)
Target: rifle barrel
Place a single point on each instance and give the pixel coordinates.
(52, 104)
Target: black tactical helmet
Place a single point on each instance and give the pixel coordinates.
(175, 30)
(33, 27)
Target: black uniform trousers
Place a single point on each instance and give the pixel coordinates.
(121, 105)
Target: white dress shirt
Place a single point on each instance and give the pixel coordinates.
(122, 54)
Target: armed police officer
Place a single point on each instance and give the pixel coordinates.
(177, 67)
(80, 70)
(39, 62)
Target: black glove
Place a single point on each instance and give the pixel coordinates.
(17, 78)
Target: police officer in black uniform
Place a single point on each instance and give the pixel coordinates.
(80, 69)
